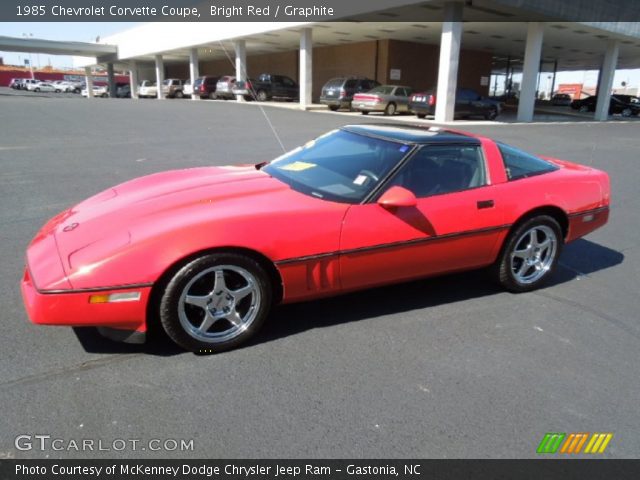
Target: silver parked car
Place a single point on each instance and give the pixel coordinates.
(390, 99)
(224, 87)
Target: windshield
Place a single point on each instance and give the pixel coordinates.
(339, 166)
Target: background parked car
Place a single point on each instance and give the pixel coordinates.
(268, 87)
(622, 104)
(390, 99)
(172, 88)
(561, 99)
(187, 88)
(29, 81)
(338, 92)
(98, 91)
(123, 90)
(15, 83)
(205, 87)
(244, 88)
(148, 89)
(42, 87)
(469, 103)
(224, 87)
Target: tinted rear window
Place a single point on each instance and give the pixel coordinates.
(334, 83)
(519, 164)
(383, 89)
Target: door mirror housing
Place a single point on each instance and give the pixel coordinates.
(397, 197)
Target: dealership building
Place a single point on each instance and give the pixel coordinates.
(463, 43)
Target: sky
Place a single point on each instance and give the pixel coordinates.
(88, 31)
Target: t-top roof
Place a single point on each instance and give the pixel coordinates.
(411, 133)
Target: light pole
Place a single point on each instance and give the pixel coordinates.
(27, 35)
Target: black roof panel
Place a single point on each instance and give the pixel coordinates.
(411, 133)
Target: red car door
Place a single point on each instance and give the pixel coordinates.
(454, 226)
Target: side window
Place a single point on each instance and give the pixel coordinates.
(438, 169)
(287, 82)
(519, 164)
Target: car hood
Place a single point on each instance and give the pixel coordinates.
(137, 209)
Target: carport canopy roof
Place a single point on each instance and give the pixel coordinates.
(54, 47)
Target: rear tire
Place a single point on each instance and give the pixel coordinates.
(390, 109)
(364, 112)
(491, 114)
(421, 115)
(529, 255)
(212, 95)
(215, 302)
(179, 94)
(333, 108)
(626, 112)
(262, 96)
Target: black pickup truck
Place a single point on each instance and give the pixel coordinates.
(267, 87)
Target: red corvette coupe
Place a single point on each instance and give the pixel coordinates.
(208, 251)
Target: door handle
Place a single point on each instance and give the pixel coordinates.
(485, 204)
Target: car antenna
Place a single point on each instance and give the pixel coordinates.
(253, 93)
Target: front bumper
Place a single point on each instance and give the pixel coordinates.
(72, 307)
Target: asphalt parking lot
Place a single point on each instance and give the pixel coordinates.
(444, 368)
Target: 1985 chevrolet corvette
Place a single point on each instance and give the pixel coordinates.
(207, 251)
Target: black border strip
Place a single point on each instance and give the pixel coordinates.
(414, 241)
(96, 289)
(587, 212)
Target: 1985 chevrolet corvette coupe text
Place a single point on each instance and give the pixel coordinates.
(207, 251)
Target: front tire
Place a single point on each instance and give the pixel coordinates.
(216, 302)
(333, 108)
(529, 255)
(179, 94)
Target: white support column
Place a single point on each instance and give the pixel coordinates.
(111, 80)
(450, 40)
(133, 79)
(159, 75)
(241, 64)
(306, 67)
(88, 80)
(606, 81)
(194, 70)
(530, 69)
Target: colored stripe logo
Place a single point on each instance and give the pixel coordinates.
(572, 443)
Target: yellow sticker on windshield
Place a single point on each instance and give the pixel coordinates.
(297, 166)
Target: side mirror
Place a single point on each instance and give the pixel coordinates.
(397, 197)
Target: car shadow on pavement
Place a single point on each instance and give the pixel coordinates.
(157, 343)
(580, 258)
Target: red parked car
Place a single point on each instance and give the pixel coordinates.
(207, 251)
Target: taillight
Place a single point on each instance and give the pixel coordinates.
(248, 85)
(377, 99)
(432, 100)
(343, 93)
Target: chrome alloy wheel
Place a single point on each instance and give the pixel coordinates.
(533, 254)
(219, 303)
